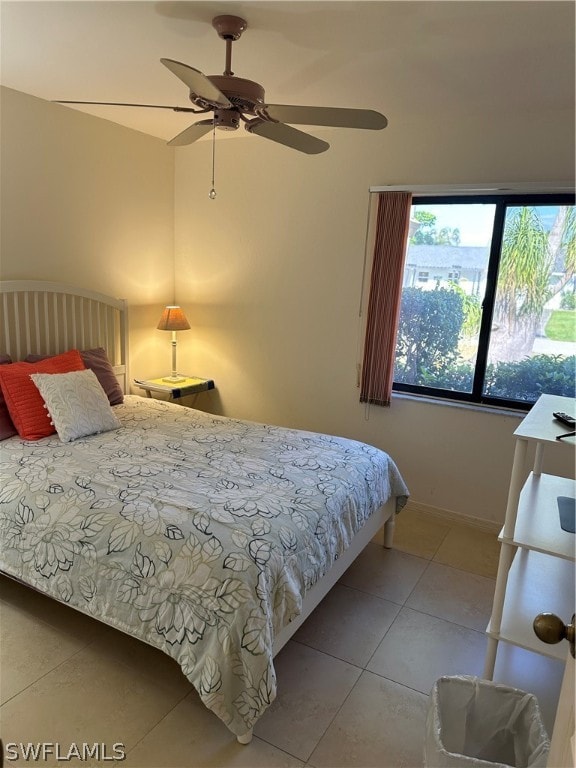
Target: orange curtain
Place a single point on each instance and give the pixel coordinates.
(393, 220)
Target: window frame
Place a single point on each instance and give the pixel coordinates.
(502, 202)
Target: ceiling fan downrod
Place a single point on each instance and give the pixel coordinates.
(229, 28)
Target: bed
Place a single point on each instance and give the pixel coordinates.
(207, 537)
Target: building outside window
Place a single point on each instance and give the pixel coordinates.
(497, 323)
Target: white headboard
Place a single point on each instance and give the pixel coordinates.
(45, 318)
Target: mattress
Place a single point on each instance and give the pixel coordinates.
(195, 533)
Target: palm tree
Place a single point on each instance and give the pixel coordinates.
(529, 257)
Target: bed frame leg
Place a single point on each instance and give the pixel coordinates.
(389, 531)
(246, 738)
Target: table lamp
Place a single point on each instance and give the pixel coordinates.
(173, 319)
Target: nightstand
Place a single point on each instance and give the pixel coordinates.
(190, 385)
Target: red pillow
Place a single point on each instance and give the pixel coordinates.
(24, 401)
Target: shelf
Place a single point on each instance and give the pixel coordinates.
(538, 521)
(540, 425)
(541, 577)
(536, 584)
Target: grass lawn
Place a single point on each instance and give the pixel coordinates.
(562, 325)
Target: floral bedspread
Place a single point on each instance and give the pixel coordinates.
(195, 533)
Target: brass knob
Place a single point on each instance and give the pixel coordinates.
(551, 629)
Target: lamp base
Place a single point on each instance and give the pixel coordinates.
(174, 379)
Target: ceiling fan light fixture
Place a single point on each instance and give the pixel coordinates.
(226, 119)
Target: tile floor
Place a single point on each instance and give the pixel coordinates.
(353, 683)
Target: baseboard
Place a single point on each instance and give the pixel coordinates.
(448, 516)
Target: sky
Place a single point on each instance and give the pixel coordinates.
(475, 220)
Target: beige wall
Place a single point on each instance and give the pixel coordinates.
(87, 202)
(270, 274)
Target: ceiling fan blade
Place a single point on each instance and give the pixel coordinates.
(290, 137)
(332, 116)
(198, 83)
(123, 104)
(192, 133)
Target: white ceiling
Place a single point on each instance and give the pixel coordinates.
(405, 59)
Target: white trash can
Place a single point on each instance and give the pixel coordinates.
(475, 722)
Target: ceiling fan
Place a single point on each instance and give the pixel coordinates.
(233, 100)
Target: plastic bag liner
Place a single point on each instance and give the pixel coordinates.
(475, 722)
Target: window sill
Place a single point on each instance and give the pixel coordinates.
(446, 402)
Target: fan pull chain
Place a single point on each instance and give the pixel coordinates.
(212, 193)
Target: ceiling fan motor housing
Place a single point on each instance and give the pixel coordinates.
(245, 95)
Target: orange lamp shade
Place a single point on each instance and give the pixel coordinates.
(173, 319)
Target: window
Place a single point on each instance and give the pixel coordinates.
(497, 324)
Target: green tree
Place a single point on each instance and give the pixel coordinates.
(427, 234)
(448, 236)
(428, 332)
(472, 309)
(529, 255)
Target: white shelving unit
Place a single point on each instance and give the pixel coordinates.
(536, 567)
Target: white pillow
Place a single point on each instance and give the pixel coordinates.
(76, 403)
